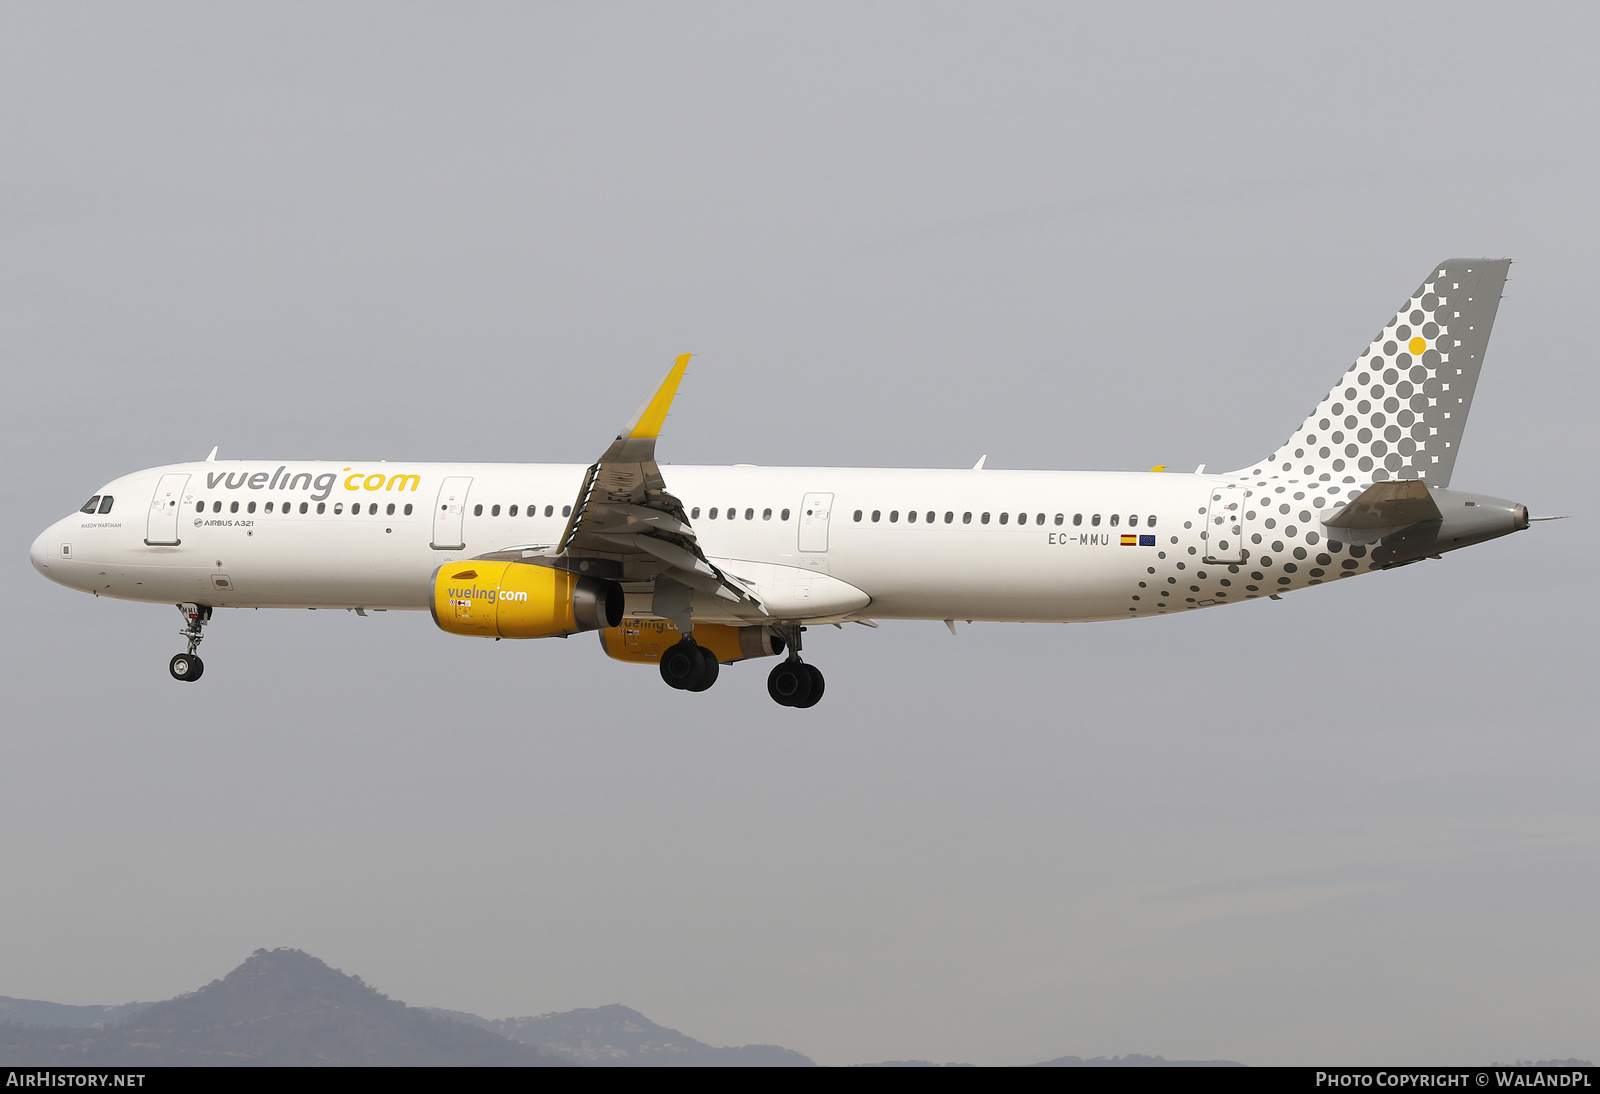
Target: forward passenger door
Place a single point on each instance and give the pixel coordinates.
(161, 526)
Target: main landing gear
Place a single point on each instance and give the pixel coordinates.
(187, 666)
(688, 666)
(793, 683)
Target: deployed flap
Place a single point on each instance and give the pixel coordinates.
(1382, 508)
(625, 514)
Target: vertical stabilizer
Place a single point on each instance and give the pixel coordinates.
(1400, 410)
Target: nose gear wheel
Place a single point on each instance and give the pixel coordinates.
(186, 667)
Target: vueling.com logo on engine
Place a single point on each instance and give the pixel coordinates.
(463, 595)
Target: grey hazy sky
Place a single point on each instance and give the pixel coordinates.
(1358, 825)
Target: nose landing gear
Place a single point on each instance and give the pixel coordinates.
(187, 666)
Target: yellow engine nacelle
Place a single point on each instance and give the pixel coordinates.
(516, 600)
(645, 640)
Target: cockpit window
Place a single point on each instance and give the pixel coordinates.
(105, 504)
(88, 506)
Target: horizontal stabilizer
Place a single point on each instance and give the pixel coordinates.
(1382, 508)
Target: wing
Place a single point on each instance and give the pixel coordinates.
(625, 515)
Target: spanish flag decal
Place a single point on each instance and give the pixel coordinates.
(1130, 541)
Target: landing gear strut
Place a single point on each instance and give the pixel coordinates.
(689, 666)
(187, 666)
(793, 683)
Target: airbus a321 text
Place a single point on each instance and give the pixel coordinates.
(704, 566)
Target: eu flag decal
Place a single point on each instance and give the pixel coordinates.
(1147, 541)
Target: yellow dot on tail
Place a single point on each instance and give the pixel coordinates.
(1418, 345)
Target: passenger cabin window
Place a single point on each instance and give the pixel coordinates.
(1077, 519)
(894, 516)
(966, 518)
(1114, 519)
(477, 510)
(1060, 517)
(512, 511)
(784, 515)
(566, 510)
(984, 519)
(390, 511)
(766, 514)
(1095, 520)
(88, 506)
(857, 517)
(338, 507)
(251, 508)
(199, 507)
(216, 507)
(949, 517)
(877, 515)
(911, 517)
(494, 511)
(322, 507)
(408, 509)
(268, 507)
(749, 514)
(694, 514)
(712, 515)
(1005, 518)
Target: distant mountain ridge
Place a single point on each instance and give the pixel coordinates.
(36, 1012)
(619, 1036)
(286, 1008)
(1133, 1059)
(279, 1008)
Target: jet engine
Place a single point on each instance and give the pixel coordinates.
(643, 641)
(515, 600)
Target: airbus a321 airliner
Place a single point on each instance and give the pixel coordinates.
(705, 566)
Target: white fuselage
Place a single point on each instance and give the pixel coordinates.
(821, 543)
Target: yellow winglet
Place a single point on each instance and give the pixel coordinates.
(1159, 467)
(646, 425)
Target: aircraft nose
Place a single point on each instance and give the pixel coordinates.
(39, 553)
